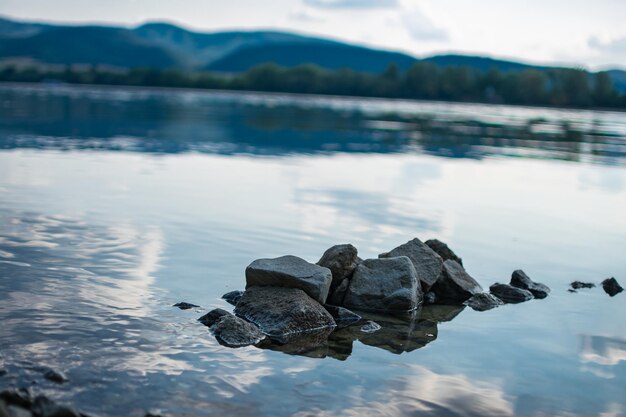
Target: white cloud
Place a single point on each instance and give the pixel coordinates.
(352, 4)
(421, 28)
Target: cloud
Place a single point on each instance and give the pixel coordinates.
(352, 4)
(421, 28)
(613, 50)
(306, 16)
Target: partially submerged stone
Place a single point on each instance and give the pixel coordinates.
(185, 306)
(426, 262)
(210, 318)
(510, 294)
(519, 279)
(282, 313)
(342, 316)
(232, 297)
(290, 272)
(384, 285)
(483, 302)
(341, 260)
(611, 287)
(443, 250)
(576, 285)
(455, 285)
(55, 376)
(233, 331)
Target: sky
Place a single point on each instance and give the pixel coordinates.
(585, 33)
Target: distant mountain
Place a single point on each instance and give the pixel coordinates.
(163, 45)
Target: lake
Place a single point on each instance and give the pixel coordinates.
(117, 203)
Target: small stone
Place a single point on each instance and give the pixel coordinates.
(571, 290)
(579, 284)
(443, 250)
(426, 262)
(430, 298)
(210, 318)
(341, 260)
(510, 294)
(519, 279)
(483, 302)
(232, 297)
(370, 327)
(185, 306)
(55, 376)
(343, 317)
(233, 331)
(3, 372)
(455, 285)
(611, 287)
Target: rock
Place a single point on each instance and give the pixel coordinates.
(430, 298)
(337, 295)
(519, 279)
(484, 301)
(571, 290)
(611, 287)
(426, 262)
(384, 285)
(20, 397)
(341, 260)
(16, 411)
(45, 407)
(4, 412)
(443, 250)
(232, 297)
(185, 306)
(3, 372)
(290, 272)
(342, 316)
(510, 294)
(578, 285)
(370, 327)
(210, 318)
(55, 376)
(455, 285)
(233, 331)
(282, 313)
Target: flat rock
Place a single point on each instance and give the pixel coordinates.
(576, 285)
(342, 316)
(232, 297)
(426, 262)
(611, 287)
(443, 250)
(233, 331)
(336, 296)
(484, 301)
(282, 313)
(185, 306)
(341, 260)
(510, 294)
(384, 285)
(519, 279)
(455, 285)
(210, 318)
(290, 272)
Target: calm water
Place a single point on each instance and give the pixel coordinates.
(115, 204)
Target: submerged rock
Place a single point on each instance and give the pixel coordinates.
(233, 331)
(185, 306)
(483, 302)
(443, 250)
(370, 327)
(341, 260)
(337, 295)
(282, 313)
(45, 407)
(455, 285)
(579, 284)
(519, 279)
(290, 272)
(232, 297)
(55, 376)
(342, 316)
(384, 285)
(510, 294)
(426, 262)
(210, 318)
(611, 287)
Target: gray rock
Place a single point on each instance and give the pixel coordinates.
(4, 412)
(232, 297)
(341, 260)
(210, 318)
(519, 279)
(443, 250)
(384, 285)
(455, 285)
(484, 301)
(21, 397)
(370, 327)
(55, 376)
(510, 294)
(290, 272)
(185, 306)
(16, 411)
(430, 298)
(342, 316)
(426, 262)
(233, 331)
(44, 407)
(336, 296)
(576, 285)
(611, 287)
(283, 313)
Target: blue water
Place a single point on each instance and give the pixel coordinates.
(117, 203)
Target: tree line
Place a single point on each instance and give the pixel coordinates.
(566, 87)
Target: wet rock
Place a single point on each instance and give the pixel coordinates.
(4, 412)
(290, 272)
(455, 285)
(45, 407)
(579, 284)
(20, 397)
(232, 297)
(571, 290)
(337, 295)
(185, 306)
(426, 262)
(370, 327)
(210, 318)
(283, 313)
(16, 411)
(233, 331)
(341, 260)
(384, 285)
(55, 376)
(611, 287)
(510, 294)
(519, 279)
(342, 316)
(430, 298)
(443, 250)
(483, 302)
(3, 372)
